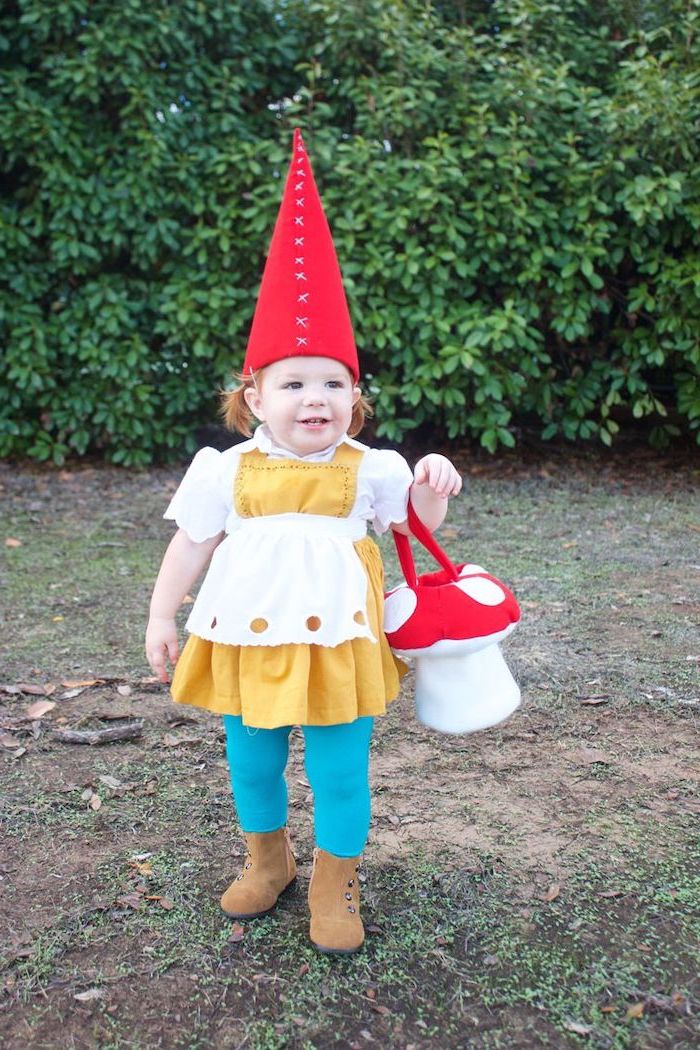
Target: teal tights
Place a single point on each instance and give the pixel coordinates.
(336, 762)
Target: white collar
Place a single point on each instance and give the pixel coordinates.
(262, 439)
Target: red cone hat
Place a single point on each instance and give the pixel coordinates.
(301, 308)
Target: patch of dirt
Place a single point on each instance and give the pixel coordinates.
(532, 792)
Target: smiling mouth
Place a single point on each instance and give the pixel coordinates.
(315, 421)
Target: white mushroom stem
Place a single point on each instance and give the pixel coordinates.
(459, 690)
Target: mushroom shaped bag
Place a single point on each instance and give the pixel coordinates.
(451, 622)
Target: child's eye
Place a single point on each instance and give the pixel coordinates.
(292, 385)
(335, 384)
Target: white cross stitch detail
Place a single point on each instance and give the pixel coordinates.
(303, 297)
(298, 241)
(299, 186)
(299, 261)
(301, 277)
(301, 340)
(299, 220)
(303, 322)
(300, 148)
(301, 174)
(300, 202)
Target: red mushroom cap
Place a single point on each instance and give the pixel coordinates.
(476, 606)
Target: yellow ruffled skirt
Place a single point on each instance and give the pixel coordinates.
(280, 685)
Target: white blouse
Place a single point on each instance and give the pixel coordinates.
(285, 571)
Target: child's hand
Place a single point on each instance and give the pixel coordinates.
(161, 639)
(438, 474)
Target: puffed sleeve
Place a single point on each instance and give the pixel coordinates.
(390, 478)
(202, 502)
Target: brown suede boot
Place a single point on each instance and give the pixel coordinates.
(269, 869)
(334, 902)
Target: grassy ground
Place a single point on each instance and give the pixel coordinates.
(534, 885)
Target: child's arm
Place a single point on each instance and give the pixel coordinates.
(435, 479)
(182, 564)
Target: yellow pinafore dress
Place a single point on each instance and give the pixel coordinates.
(296, 684)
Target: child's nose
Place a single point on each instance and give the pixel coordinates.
(315, 395)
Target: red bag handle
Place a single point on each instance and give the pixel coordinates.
(424, 536)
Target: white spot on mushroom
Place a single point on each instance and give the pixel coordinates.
(471, 570)
(399, 606)
(485, 592)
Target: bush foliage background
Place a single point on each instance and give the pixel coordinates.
(513, 189)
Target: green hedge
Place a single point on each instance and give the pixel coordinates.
(513, 189)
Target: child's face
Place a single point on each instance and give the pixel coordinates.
(306, 402)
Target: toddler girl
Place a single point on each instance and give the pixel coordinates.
(287, 626)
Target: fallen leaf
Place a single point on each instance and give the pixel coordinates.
(635, 1012)
(143, 868)
(373, 928)
(57, 619)
(166, 903)
(130, 900)
(95, 802)
(608, 1009)
(171, 740)
(670, 1004)
(124, 690)
(595, 699)
(12, 542)
(578, 1028)
(371, 993)
(110, 782)
(8, 740)
(70, 684)
(303, 969)
(237, 932)
(40, 708)
(612, 893)
(174, 719)
(19, 752)
(70, 694)
(379, 1009)
(33, 690)
(552, 893)
(92, 993)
